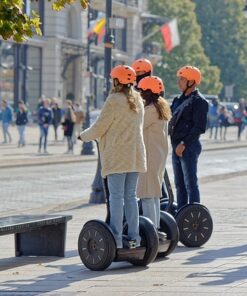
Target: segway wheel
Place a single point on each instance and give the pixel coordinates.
(149, 240)
(195, 225)
(96, 245)
(164, 205)
(168, 225)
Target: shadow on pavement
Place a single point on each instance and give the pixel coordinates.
(65, 275)
(223, 277)
(210, 255)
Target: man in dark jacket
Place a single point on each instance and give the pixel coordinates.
(189, 119)
(45, 119)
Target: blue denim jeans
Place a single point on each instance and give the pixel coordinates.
(6, 132)
(151, 210)
(185, 174)
(21, 130)
(122, 188)
(43, 135)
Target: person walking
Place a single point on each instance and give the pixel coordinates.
(213, 118)
(157, 114)
(21, 122)
(68, 125)
(80, 117)
(44, 119)
(56, 117)
(119, 129)
(188, 122)
(7, 116)
(223, 122)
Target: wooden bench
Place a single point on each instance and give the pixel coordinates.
(37, 235)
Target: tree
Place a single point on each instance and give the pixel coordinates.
(14, 23)
(190, 50)
(224, 29)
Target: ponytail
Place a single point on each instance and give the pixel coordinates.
(128, 91)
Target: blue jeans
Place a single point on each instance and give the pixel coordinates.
(122, 188)
(185, 174)
(21, 130)
(151, 210)
(43, 135)
(6, 132)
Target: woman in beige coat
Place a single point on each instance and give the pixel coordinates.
(119, 130)
(157, 113)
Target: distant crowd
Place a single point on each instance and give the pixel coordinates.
(49, 113)
(221, 116)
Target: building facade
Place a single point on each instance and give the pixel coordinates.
(55, 65)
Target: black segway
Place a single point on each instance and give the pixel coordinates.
(194, 220)
(97, 246)
(168, 233)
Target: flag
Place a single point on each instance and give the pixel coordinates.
(97, 27)
(170, 35)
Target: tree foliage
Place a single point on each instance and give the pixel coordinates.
(190, 50)
(224, 29)
(14, 23)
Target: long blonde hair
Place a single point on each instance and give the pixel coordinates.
(161, 105)
(129, 93)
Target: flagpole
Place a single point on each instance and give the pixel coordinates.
(87, 147)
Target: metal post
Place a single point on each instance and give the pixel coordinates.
(109, 41)
(87, 147)
(97, 194)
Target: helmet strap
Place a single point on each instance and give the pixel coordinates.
(188, 87)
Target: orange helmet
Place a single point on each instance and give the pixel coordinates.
(125, 74)
(142, 65)
(153, 83)
(190, 73)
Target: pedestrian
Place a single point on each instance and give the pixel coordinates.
(189, 120)
(213, 118)
(7, 116)
(240, 117)
(80, 118)
(44, 120)
(119, 130)
(143, 68)
(224, 122)
(68, 125)
(21, 122)
(56, 116)
(157, 113)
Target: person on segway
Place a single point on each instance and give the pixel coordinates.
(157, 113)
(123, 156)
(189, 120)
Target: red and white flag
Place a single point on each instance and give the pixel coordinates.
(170, 35)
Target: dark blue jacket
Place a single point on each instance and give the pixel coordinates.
(193, 120)
(21, 118)
(44, 116)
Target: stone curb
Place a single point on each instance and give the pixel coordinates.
(50, 160)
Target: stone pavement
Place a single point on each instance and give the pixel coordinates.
(217, 268)
(12, 156)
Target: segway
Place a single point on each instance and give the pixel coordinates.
(168, 233)
(97, 246)
(194, 221)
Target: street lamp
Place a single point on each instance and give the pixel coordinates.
(97, 195)
(87, 147)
